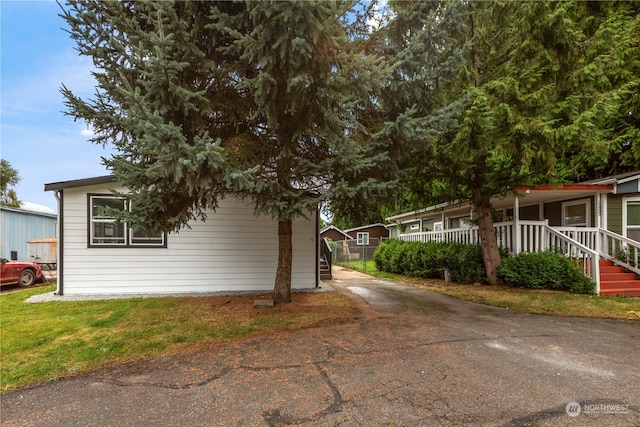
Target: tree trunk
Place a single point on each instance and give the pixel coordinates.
(282, 287)
(488, 240)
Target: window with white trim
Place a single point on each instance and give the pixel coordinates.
(631, 218)
(106, 230)
(576, 213)
(363, 239)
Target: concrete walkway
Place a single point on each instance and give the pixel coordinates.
(412, 358)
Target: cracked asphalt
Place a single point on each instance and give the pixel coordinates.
(411, 358)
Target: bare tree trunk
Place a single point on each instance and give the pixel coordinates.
(282, 287)
(488, 240)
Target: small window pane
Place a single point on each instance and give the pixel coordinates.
(140, 236)
(108, 233)
(363, 238)
(575, 214)
(106, 230)
(633, 234)
(633, 213)
(101, 207)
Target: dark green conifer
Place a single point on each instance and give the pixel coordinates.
(205, 100)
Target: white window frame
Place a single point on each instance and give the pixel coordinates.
(94, 219)
(128, 239)
(464, 222)
(626, 226)
(414, 227)
(362, 239)
(438, 226)
(565, 205)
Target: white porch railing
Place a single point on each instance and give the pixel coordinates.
(584, 235)
(585, 257)
(579, 243)
(530, 236)
(621, 250)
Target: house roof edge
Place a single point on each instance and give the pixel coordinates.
(104, 179)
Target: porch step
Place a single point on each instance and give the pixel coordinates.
(610, 268)
(325, 270)
(615, 281)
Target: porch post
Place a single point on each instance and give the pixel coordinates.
(599, 221)
(516, 225)
(603, 211)
(540, 211)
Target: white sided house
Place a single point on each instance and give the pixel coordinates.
(233, 250)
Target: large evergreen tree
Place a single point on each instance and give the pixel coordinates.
(541, 92)
(600, 114)
(204, 100)
(480, 121)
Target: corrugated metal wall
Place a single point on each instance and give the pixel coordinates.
(18, 226)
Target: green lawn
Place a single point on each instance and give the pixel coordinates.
(47, 341)
(556, 303)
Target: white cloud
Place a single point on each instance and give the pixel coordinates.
(28, 206)
(87, 131)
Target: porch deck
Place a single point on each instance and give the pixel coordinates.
(587, 245)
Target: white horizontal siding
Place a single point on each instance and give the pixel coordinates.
(233, 250)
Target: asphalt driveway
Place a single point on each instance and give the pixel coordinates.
(412, 358)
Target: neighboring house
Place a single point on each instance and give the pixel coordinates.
(334, 233)
(233, 250)
(370, 235)
(358, 243)
(593, 221)
(18, 226)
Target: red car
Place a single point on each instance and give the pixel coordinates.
(19, 272)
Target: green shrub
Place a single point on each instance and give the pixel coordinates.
(380, 255)
(429, 263)
(465, 263)
(430, 259)
(544, 270)
(383, 254)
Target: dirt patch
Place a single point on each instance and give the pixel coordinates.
(304, 310)
(341, 273)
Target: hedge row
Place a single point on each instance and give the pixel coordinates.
(429, 260)
(535, 270)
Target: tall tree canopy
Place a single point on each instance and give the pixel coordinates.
(9, 178)
(601, 110)
(489, 96)
(256, 99)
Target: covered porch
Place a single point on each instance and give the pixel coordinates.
(577, 219)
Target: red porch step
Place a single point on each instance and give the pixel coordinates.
(615, 281)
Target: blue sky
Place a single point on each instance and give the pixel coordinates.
(42, 143)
